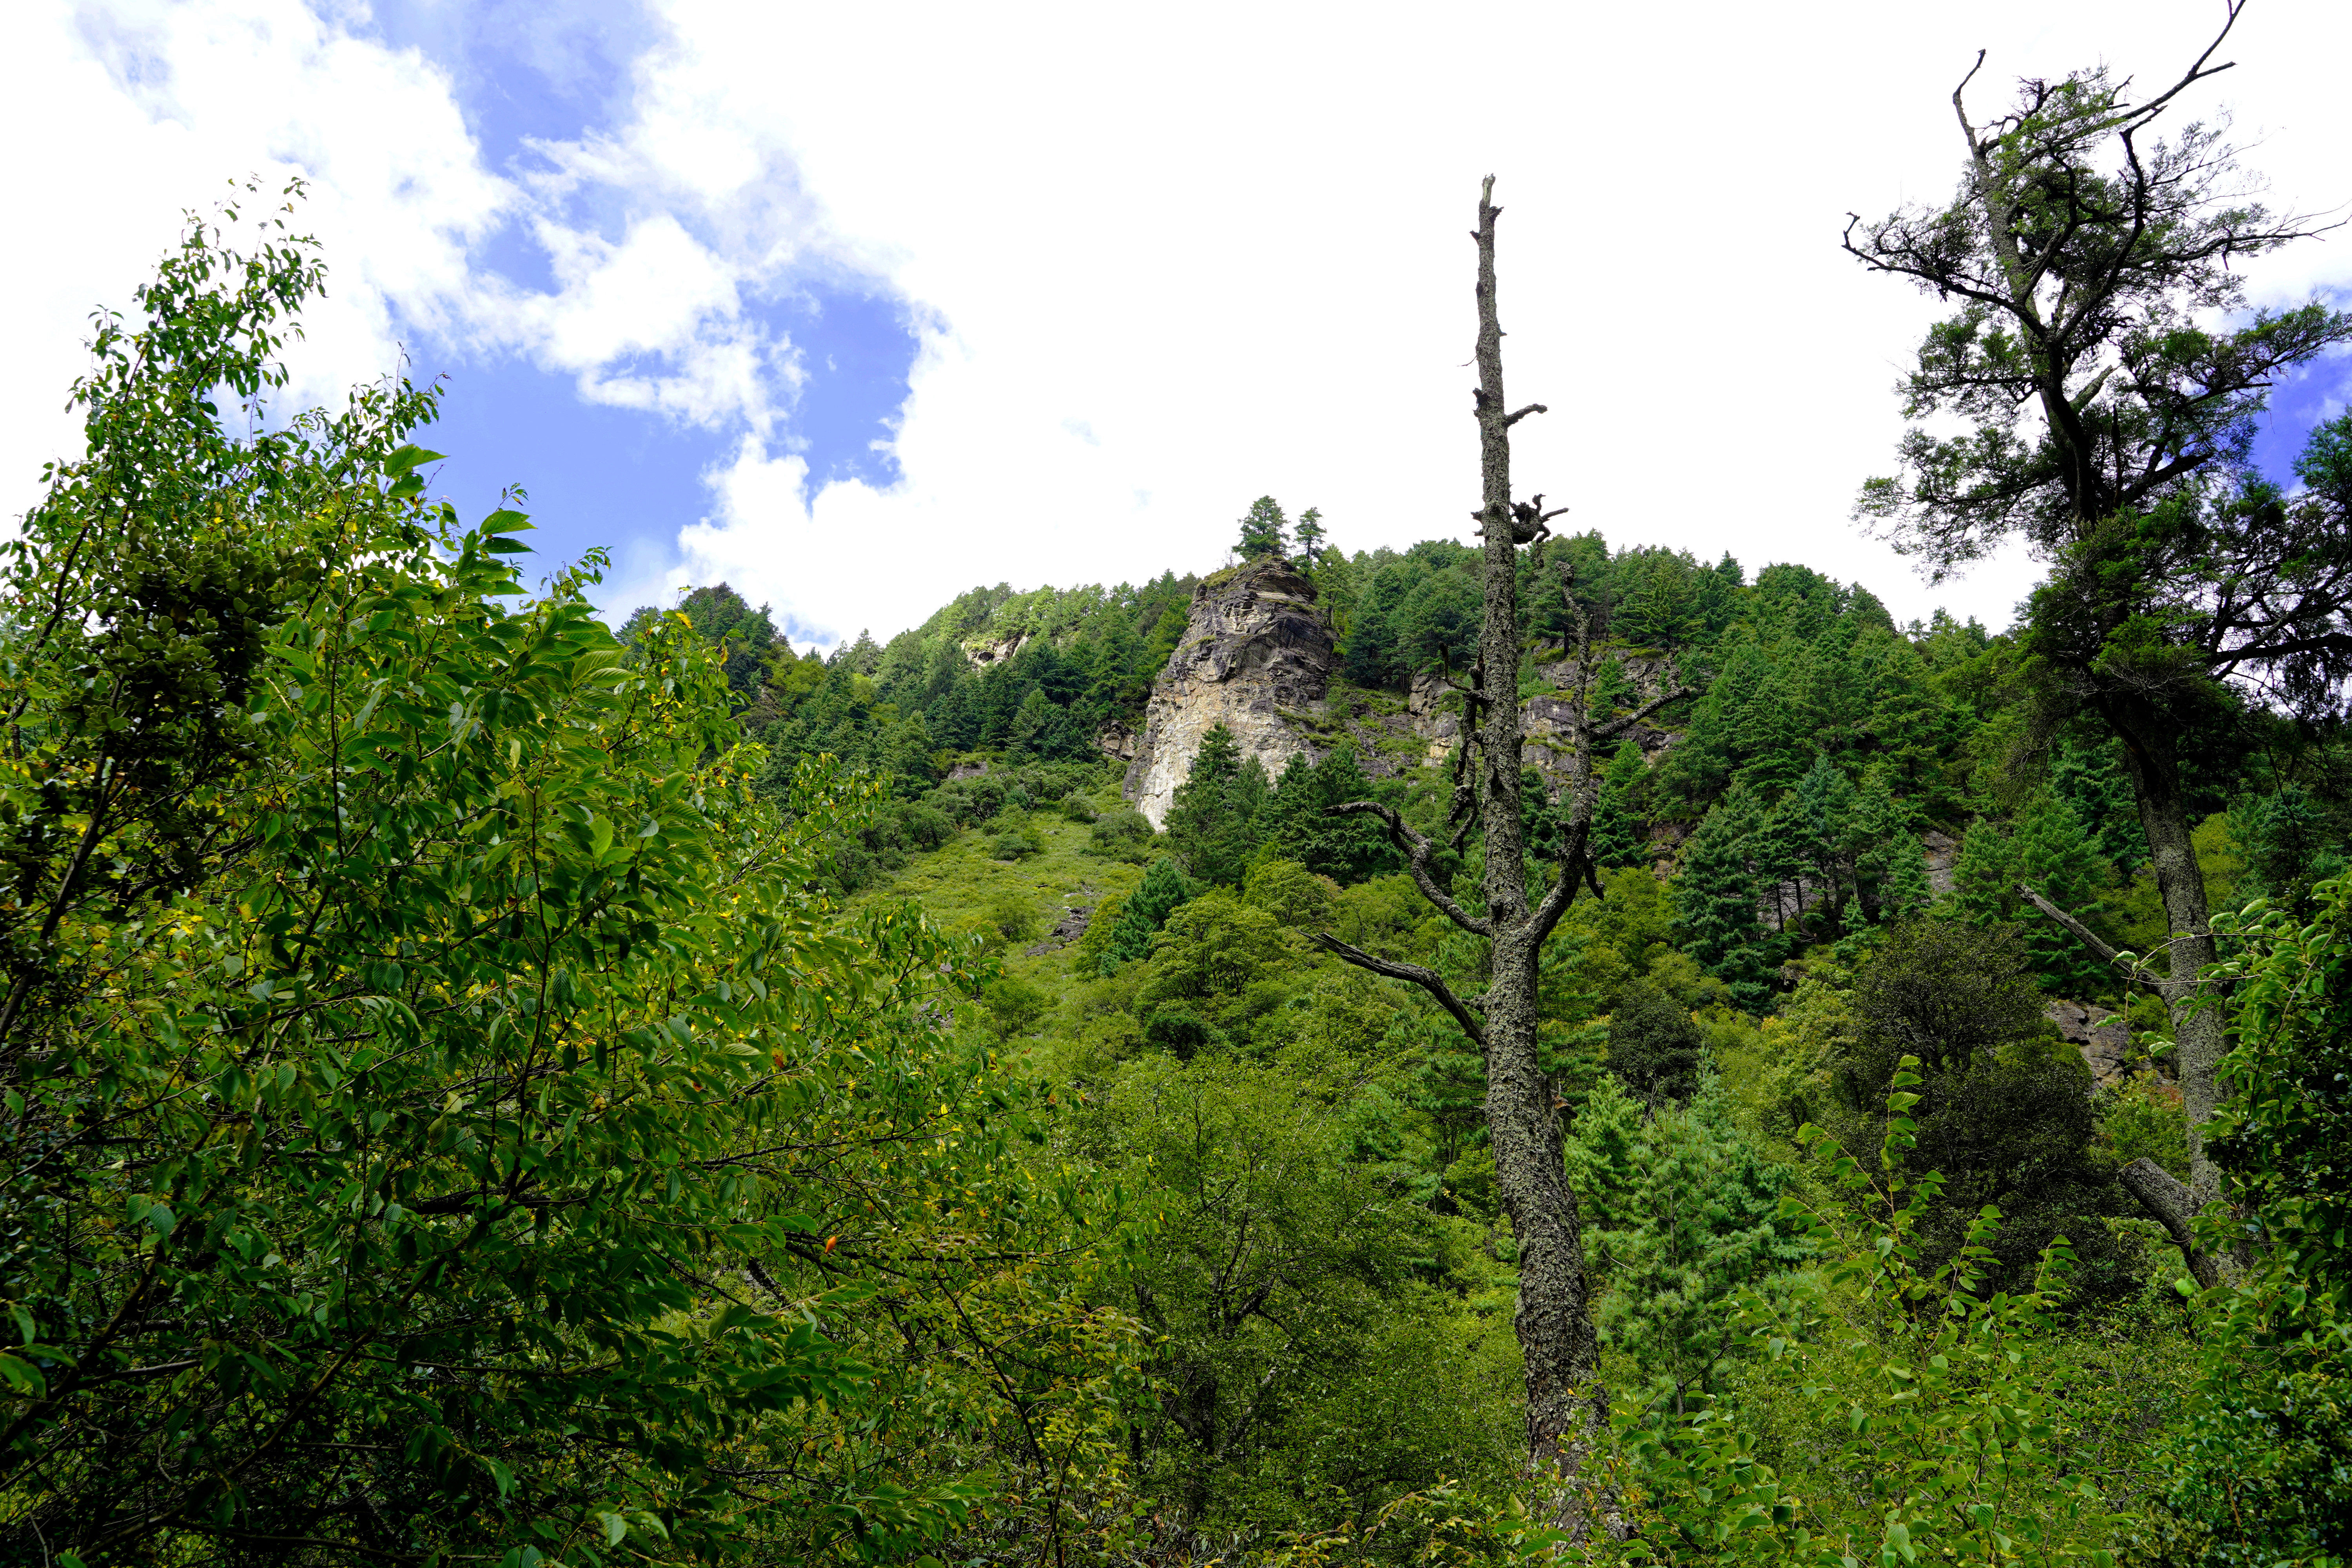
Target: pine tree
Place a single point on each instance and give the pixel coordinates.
(1827, 811)
(1703, 1233)
(1348, 848)
(2091, 777)
(2290, 847)
(1884, 850)
(2056, 854)
(1367, 657)
(1310, 533)
(1781, 850)
(1265, 531)
(1716, 895)
(1982, 879)
(1164, 888)
(1618, 831)
(1904, 888)
(1213, 822)
(2046, 847)
(1603, 1155)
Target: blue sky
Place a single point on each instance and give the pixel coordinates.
(522, 76)
(857, 307)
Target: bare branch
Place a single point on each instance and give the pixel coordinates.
(2173, 1207)
(1616, 727)
(1965, 129)
(1576, 869)
(2131, 968)
(1522, 413)
(1429, 979)
(1417, 849)
(2197, 72)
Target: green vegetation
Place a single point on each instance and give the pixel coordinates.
(482, 1087)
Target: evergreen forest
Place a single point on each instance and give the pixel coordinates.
(485, 1083)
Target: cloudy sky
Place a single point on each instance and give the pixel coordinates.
(857, 306)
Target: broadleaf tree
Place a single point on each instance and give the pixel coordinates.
(411, 1005)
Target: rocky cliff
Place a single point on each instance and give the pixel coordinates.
(1256, 657)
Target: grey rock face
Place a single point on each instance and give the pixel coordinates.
(1116, 739)
(1255, 648)
(2102, 1036)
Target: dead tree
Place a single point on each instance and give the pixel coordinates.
(1567, 1412)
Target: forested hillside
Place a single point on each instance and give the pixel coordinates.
(1819, 861)
(1671, 1066)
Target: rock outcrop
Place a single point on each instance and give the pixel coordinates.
(1255, 649)
(2103, 1037)
(1116, 739)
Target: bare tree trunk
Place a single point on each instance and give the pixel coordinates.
(1567, 1411)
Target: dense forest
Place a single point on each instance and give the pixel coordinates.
(484, 1086)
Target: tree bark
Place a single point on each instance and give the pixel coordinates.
(1567, 1414)
(2175, 1208)
(2150, 759)
(1567, 1411)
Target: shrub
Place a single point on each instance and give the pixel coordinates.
(1122, 834)
(1016, 839)
(925, 827)
(1013, 917)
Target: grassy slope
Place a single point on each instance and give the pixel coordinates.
(965, 887)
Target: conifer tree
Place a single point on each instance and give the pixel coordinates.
(1880, 837)
(1703, 1233)
(2054, 851)
(1618, 838)
(1904, 888)
(2099, 385)
(1827, 813)
(1163, 888)
(1213, 823)
(1778, 850)
(1345, 849)
(2047, 847)
(1716, 897)
(1265, 531)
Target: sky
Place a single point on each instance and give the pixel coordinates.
(857, 307)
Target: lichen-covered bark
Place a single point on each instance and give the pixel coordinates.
(1567, 1412)
(2154, 769)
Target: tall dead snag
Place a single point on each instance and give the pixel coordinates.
(1567, 1412)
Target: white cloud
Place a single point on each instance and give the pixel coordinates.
(123, 116)
(1230, 243)
(1159, 262)
(142, 109)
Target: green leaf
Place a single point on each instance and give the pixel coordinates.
(23, 1376)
